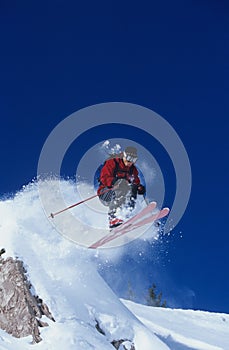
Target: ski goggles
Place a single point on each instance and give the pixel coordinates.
(130, 158)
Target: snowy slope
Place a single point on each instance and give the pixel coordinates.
(64, 275)
(185, 329)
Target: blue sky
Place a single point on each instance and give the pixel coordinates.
(171, 57)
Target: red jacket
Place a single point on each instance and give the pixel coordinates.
(114, 169)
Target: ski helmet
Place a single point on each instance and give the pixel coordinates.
(130, 154)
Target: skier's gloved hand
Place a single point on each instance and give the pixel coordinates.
(141, 189)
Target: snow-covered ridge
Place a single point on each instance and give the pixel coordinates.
(185, 329)
(65, 276)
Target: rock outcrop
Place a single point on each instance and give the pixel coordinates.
(121, 344)
(20, 310)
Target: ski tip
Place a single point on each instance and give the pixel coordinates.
(153, 203)
(166, 210)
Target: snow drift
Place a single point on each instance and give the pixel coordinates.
(88, 314)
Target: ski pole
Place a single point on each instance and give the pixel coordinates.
(78, 203)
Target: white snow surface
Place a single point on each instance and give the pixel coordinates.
(65, 276)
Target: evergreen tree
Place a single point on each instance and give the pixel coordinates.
(154, 299)
(130, 292)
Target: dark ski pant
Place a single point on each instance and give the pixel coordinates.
(124, 195)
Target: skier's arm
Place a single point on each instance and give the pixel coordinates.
(139, 187)
(136, 180)
(107, 173)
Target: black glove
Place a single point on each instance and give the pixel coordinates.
(141, 189)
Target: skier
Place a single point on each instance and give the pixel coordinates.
(121, 176)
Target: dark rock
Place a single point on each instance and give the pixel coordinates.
(99, 329)
(123, 342)
(19, 308)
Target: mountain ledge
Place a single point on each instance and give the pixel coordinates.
(21, 311)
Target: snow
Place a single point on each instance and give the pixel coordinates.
(185, 328)
(65, 276)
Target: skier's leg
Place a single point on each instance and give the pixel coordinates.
(107, 196)
(121, 192)
(117, 202)
(132, 198)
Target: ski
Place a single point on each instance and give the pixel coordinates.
(144, 212)
(112, 234)
(161, 214)
(144, 217)
(131, 226)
